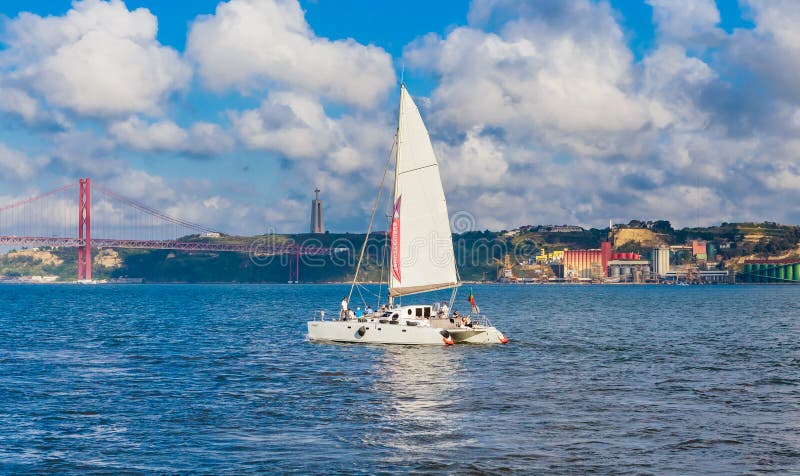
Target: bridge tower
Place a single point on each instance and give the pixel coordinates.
(294, 265)
(85, 229)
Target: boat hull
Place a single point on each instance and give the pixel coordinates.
(483, 335)
(375, 332)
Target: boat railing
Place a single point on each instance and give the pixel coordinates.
(319, 315)
(335, 316)
(480, 319)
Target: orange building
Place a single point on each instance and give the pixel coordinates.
(699, 249)
(579, 262)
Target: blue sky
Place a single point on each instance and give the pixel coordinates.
(540, 111)
(365, 21)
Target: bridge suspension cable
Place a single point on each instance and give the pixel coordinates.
(49, 219)
(152, 211)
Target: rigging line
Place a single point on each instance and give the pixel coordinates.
(363, 301)
(372, 217)
(366, 290)
(458, 280)
(418, 168)
(380, 280)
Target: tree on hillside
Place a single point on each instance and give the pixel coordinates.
(631, 247)
(662, 226)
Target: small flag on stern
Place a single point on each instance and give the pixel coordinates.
(471, 299)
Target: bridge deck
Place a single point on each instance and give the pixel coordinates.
(254, 247)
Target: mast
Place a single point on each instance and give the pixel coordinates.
(398, 141)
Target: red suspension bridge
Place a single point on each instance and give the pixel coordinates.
(116, 221)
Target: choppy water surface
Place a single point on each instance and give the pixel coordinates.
(219, 379)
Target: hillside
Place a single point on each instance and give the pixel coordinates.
(641, 236)
(478, 253)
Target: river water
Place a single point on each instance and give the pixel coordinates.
(214, 379)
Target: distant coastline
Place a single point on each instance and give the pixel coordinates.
(481, 255)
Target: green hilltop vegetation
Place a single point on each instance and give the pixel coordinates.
(478, 253)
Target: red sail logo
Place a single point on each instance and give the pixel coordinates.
(396, 240)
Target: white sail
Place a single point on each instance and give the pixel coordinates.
(422, 257)
(422, 245)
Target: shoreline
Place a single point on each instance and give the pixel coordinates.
(339, 283)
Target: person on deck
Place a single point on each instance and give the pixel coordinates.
(343, 313)
(359, 312)
(368, 310)
(445, 309)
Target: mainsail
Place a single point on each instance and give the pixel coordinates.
(422, 245)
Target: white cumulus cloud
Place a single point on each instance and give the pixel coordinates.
(297, 127)
(100, 59)
(17, 165)
(771, 51)
(249, 43)
(343, 155)
(542, 114)
(202, 138)
(292, 124)
(687, 20)
(535, 76)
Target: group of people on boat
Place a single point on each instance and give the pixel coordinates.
(443, 312)
(456, 318)
(347, 313)
(461, 321)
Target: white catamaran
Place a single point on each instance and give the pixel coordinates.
(421, 257)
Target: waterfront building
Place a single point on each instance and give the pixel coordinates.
(629, 270)
(711, 251)
(779, 271)
(706, 277)
(659, 260)
(559, 229)
(587, 264)
(699, 249)
(578, 263)
(544, 257)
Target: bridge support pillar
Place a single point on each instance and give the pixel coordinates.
(294, 266)
(85, 229)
